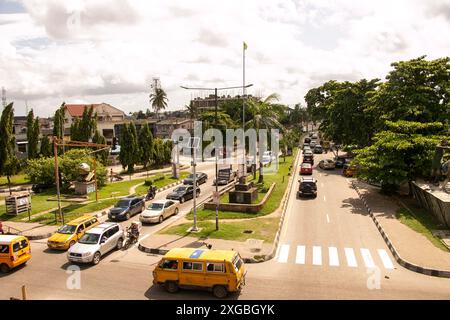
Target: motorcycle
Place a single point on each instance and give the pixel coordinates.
(150, 194)
(132, 237)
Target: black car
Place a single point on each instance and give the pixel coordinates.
(318, 149)
(307, 140)
(339, 161)
(126, 207)
(41, 187)
(308, 157)
(183, 193)
(307, 187)
(201, 178)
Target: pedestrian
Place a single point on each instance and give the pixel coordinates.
(1, 228)
(111, 174)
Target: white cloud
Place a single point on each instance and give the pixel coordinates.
(109, 51)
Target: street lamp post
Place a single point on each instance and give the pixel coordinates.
(215, 149)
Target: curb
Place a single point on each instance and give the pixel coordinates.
(404, 263)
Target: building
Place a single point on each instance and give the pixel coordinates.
(20, 133)
(209, 103)
(107, 117)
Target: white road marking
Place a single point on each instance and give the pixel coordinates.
(324, 199)
(385, 259)
(351, 259)
(328, 218)
(333, 254)
(317, 255)
(284, 253)
(368, 261)
(300, 257)
(321, 184)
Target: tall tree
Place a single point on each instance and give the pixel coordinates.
(192, 110)
(58, 121)
(129, 151)
(46, 147)
(145, 141)
(158, 100)
(263, 117)
(9, 164)
(102, 156)
(32, 135)
(83, 129)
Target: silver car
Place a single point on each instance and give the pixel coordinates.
(159, 210)
(97, 242)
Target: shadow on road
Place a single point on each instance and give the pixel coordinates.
(356, 206)
(157, 292)
(85, 266)
(53, 251)
(13, 271)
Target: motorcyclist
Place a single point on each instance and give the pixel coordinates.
(134, 231)
(151, 192)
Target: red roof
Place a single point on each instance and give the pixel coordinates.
(76, 110)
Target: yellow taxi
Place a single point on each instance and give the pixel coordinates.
(222, 271)
(349, 170)
(68, 234)
(14, 251)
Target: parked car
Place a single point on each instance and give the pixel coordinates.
(200, 177)
(306, 168)
(307, 148)
(267, 157)
(96, 242)
(157, 211)
(225, 176)
(307, 187)
(183, 193)
(318, 149)
(68, 234)
(126, 208)
(327, 164)
(41, 187)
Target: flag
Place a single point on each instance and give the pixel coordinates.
(245, 46)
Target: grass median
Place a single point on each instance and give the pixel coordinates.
(263, 228)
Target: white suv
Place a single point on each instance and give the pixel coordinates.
(97, 242)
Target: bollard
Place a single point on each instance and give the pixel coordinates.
(24, 293)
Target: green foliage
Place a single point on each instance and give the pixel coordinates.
(42, 170)
(32, 135)
(102, 156)
(83, 129)
(159, 155)
(58, 121)
(129, 149)
(9, 164)
(46, 147)
(146, 149)
(158, 100)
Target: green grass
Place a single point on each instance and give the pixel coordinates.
(122, 188)
(74, 211)
(39, 203)
(168, 179)
(423, 223)
(263, 229)
(15, 180)
(271, 205)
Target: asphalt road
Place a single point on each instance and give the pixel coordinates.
(328, 250)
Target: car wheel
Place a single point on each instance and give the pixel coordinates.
(171, 286)
(220, 292)
(97, 257)
(181, 199)
(119, 244)
(176, 211)
(161, 219)
(128, 216)
(4, 268)
(71, 243)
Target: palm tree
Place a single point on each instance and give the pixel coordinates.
(158, 100)
(264, 116)
(192, 110)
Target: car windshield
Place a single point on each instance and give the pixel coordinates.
(180, 189)
(123, 204)
(156, 206)
(89, 238)
(237, 263)
(67, 229)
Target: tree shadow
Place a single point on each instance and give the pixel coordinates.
(356, 206)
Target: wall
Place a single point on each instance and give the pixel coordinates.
(435, 206)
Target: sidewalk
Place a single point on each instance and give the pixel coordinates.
(411, 246)
(160, 244)
(33, 231)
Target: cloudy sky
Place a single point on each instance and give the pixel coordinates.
(109, 50)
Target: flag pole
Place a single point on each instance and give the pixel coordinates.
(243, 110)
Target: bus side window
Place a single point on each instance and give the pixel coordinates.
(215, 267)
(169, 264)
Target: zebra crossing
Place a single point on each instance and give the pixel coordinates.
(333, 257)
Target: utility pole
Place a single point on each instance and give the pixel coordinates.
(55, 150)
